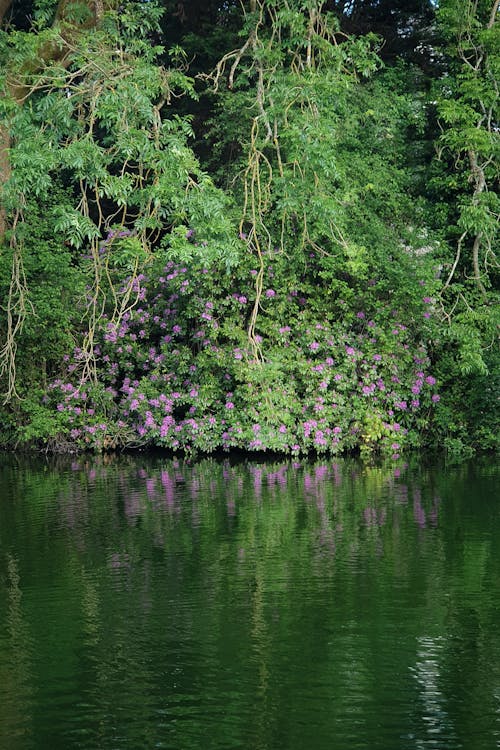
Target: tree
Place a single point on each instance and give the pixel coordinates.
(83, 115)
(468, 107)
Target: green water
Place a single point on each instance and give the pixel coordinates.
(146, 603)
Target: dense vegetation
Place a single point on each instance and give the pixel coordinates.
(266, 225)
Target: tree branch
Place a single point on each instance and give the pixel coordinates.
(493, 15)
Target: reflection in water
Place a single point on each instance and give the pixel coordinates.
(16, 684)
(247, 605)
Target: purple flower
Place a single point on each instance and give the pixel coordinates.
(314, 346)
(350, 351)
(360, 315)
(436, 397)
(270, 293)
(377, 357)
(229, 405)
(427, 300)
(430, 380)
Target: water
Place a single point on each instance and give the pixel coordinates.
(146, 603)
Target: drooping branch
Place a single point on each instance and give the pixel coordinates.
(54, 48)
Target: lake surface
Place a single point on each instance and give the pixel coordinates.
(150, 603)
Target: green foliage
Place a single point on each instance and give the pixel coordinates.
(306, 275)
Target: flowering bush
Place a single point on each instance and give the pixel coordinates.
(178, 370)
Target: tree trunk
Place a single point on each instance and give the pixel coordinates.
(4, 7)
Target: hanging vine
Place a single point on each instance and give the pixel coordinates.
(286, 47)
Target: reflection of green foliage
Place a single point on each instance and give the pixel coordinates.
(170, 584)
